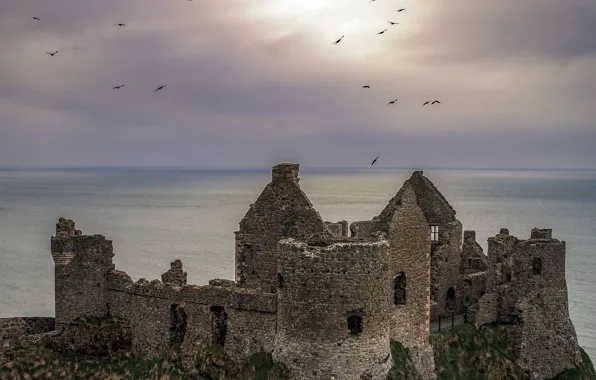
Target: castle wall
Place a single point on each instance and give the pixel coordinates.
(338, 229)
(473, 259)
(281, 211)
(14, 330)
(323, 291)
(528, 294)
(81, 266)
(405, 227)
(148, 307)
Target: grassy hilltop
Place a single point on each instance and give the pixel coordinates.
(465, 353)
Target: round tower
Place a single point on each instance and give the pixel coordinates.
(333, 310)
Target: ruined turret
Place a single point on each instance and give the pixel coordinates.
(82, 263)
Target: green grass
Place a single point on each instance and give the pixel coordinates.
(464, 353)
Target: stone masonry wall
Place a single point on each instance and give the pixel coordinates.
(322, 290)
(148, 306)
(404, 225)
(528, 294)
(14, 330)
(281, 211)
(338, 229)
(81, 266)
(446, 278)
(474, 270)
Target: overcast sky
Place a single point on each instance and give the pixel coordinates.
(256, 82)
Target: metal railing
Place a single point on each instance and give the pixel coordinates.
(453, 319)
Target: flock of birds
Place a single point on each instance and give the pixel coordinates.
(161, 87)
(366, 86)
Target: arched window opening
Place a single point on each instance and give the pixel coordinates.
(177, 324)
(219, 325)
(355, 323)
(537, 266)
(399, 289)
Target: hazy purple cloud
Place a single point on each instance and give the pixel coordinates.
(247, 86)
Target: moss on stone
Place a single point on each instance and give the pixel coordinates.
(585, 371)
(464, 353)
(470, 353)
(403, 368)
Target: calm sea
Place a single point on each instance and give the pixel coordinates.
(157, 215)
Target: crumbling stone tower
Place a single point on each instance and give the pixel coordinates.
(81, 266)
(334, 299)
(528, 294)
(281, 211)
(403, 224)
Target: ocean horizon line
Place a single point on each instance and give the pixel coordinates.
(268, 168)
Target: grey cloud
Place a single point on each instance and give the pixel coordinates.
(465, 31)
(241, 93)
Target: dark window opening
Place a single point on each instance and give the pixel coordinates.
(280, 281)
(537, 266)
(450, 301)
(177, 324)
(434, 232)
(469, 262)
(355, 323)
(399, 289)
(219, 325)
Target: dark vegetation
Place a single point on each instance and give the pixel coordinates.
(100, 349)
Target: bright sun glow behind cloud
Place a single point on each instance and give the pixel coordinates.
(324, 21)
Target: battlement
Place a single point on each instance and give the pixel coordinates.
(213, 295)
(286, 172)
(66, 227)
(541, 234)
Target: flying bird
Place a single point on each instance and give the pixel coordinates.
(382, 31)
(436, 101)
(375, 160)
(393, 23)
(120, 24)
(425, 103)
(117, 87)
(401, 10)
(160, 88)
(391, 102)
(35, 18)
(366, 86)
(52, 54)
(338, 41)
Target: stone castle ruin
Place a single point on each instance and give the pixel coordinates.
(325, 298)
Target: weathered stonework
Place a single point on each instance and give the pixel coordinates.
(403, 224)
(528, 293)
(473, 269)
(81, 266)
(175, 275)
(281, 211)
(334, 309)
(325, 304)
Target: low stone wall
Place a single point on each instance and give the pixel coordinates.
(17, 331)
(240, 319)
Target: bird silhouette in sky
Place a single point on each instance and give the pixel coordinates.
(52, 54)
(117, 87)
(338, 41)
(35, 18)
(382, 31)
(366, 86)
(391, 102)
(393, 23)
(160, 87)
(120, 24)
(435, 102)
(401, 10)
(374, 161)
